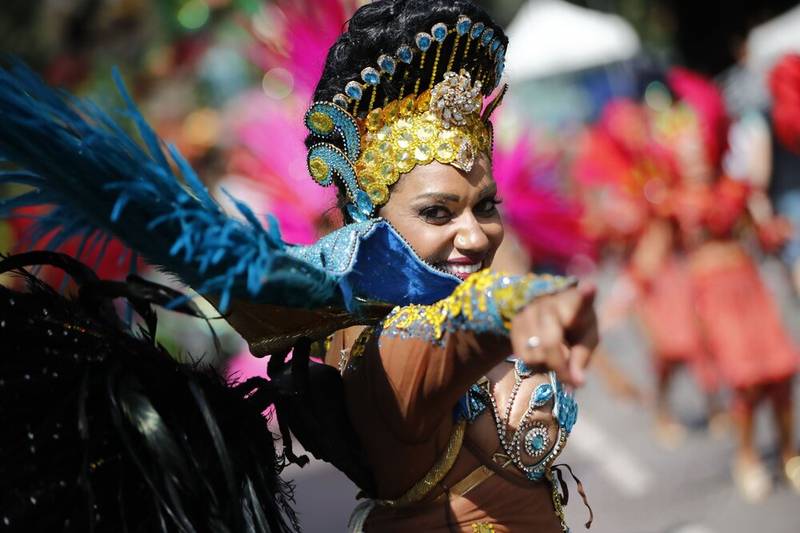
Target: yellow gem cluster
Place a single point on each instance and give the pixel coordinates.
(406, 133)
(321, 122)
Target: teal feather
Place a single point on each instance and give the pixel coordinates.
(101, 182)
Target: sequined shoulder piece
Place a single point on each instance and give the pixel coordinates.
(336, 252)
(485, 302)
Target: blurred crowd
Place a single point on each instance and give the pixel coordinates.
(626, 144)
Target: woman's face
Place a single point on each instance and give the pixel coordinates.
(449, 217)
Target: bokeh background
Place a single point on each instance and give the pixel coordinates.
(594, 152)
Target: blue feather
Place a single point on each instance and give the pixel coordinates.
(102, 182)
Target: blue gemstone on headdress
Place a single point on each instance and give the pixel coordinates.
(477, 29)
(353, 90)
(371, 76)
(364, 202)
(362, 209)
(499, 71)
(486, 38)
(387, 64)
(340, 100)
(356, 214)
(495, 45)
(424, 41)
(405, 54)
(463, 24)
(439, 31)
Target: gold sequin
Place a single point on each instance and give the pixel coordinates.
(374, 120)
(407, 105)
(349, 358)
(321, 122)
(406, 133)
(423, 102)
(319, 168)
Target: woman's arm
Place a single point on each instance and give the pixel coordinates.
(430, 355)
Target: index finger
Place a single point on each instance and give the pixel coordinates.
(580, 353)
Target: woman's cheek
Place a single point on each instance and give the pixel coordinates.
(436, 242)
(496, 232)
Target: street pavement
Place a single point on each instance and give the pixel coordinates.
(633, 484)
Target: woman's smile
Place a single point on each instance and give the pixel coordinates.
(462, 268)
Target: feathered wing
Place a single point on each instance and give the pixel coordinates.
(101, 181)
(104, 431)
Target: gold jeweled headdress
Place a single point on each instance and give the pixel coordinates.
(437, 116)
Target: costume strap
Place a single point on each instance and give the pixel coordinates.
(436, 474)
(556, 470)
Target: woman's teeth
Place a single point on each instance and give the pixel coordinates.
(461, 270)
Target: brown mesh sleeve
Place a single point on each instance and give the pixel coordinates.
(416, 383)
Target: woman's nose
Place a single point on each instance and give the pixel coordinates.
(471, 239)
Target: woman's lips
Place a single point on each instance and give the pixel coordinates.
(459, 269)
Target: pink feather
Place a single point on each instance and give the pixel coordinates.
(306, 30)
(546, 221)
(272, 154)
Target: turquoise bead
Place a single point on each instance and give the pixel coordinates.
(463, 25)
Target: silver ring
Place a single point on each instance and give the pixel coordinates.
(533, 342)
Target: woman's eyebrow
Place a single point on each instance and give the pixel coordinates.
(441, 196)
(489, 190)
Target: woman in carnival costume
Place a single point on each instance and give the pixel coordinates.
(623, 165)
(422, 403)
(739, 320)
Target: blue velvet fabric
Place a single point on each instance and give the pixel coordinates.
(372, 261)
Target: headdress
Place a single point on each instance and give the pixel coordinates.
(436, 116)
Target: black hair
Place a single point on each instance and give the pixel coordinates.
(382, 26)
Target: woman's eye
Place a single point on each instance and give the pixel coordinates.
(436, 214)
(487, 207)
